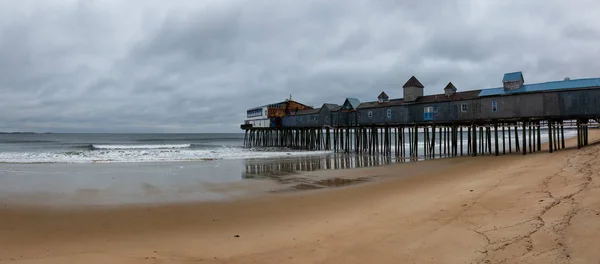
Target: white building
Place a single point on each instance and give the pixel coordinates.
(258, 117)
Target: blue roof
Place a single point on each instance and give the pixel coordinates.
(548, 86)
(512, 77)
(353, 102)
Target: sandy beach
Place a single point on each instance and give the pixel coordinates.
(539, 208)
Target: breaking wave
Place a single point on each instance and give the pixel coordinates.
(124, 147)
(116, 153)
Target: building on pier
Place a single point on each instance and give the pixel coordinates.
(382, 125)
(565, 99)
(271, 115)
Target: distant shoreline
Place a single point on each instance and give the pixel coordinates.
(29, 133)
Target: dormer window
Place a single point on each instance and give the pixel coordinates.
(450, 89)
(383, 98)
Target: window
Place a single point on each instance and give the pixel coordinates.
(464, 108)
(428, 113)
(370, 113)
(494, 106)
(435, 109)
(256, 112)
(389, 113)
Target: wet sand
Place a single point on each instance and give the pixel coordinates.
(540, 208)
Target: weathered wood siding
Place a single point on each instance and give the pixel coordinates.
(290, 121)
(343, 118)
(559, 104)
(577, 103)
(399, 114)
(412, 93)
(512, 85)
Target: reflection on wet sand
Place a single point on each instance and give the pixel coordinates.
(288, 171)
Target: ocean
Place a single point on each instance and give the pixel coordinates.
(116, 169)
(107, 148)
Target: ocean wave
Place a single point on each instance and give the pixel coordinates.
(189, 139)
(147, 155)
(126, 147)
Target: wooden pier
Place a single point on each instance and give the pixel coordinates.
(493, 121)
(411, 142)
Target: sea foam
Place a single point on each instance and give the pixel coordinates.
(172, 146)
(110, 155)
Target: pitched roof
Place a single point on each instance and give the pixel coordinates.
(512, 77)
(287, 101)
(435, 98)
(466, 95)
(547, 86)
(308, 111)
(450, 86)
(330, 106)
(413, 82)
(393, 102)
(383, 95)
(337, 108)
(353, 102)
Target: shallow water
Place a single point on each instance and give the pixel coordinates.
(117, 169)
(163, 182)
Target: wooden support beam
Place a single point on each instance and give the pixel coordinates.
(469, 140)
(455, 139)
(489, 138)
(416, 142)
(562, 133)
(496, 137)
(517, 145)
(579, 135)
(426, 142)
(402, 146)
(509, 139)
(432, 150)
(550, 140)
(532, 137)
(587, 142)
(461, 140)
(524, 129)
(474, 140)
(539, 136)
(481, 140)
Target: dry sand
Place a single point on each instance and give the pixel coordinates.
(540, 208)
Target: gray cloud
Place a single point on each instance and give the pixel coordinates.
(196, 66)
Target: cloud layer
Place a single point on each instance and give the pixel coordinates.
(196, 66)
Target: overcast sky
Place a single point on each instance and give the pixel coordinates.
(196, 66)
